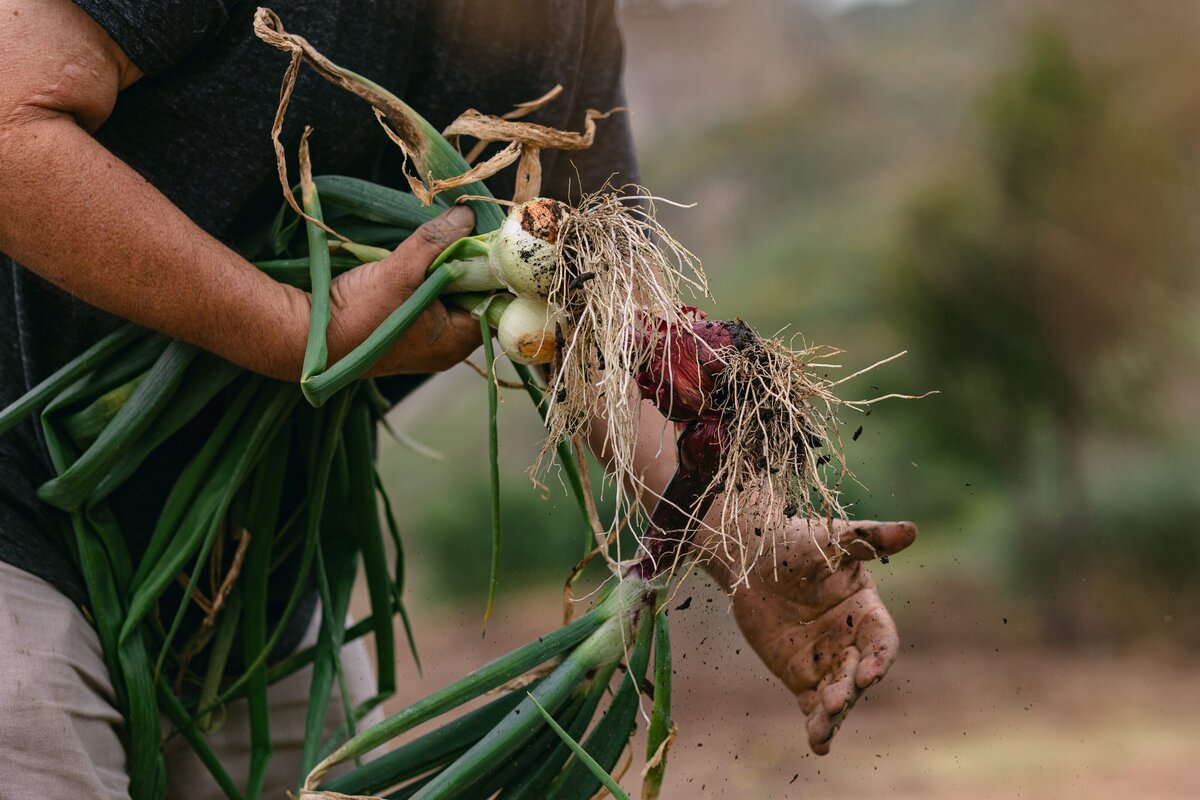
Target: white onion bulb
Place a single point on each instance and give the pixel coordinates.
(523, 253)
(526, 331)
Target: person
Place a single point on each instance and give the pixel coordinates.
(134, 160)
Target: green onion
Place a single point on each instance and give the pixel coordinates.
(37, 397)
(493, 460)
(660, 715)
(584, 757)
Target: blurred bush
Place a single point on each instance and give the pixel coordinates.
(1048, 259)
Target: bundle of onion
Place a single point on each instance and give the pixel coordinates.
(575, 285)
(771, 412)
(759, 430)
(511, 745)
(603, 264)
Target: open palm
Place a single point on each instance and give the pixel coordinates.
(814, 616)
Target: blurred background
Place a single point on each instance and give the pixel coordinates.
(1007, 190)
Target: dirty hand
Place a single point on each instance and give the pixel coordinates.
(363, 297)
(823, 631)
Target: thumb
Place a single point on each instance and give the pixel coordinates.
(865, 540)
(429, 240)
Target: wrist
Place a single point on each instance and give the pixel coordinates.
(274, 333)
(288, 361)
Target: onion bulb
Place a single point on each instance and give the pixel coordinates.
(528, 330)
(523, 254)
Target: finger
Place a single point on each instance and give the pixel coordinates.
(821, 729)
(865, 540)
(428, 241)
(879, 643)
(459, 336)
(839, 695)
(810, 700)
(449, 337)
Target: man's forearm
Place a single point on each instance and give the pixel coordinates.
(81, 218)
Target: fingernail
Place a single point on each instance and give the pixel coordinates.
(461, 216)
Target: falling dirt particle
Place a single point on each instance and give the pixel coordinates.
(685, 605)
(857, 434)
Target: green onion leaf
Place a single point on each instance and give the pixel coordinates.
(598, 771)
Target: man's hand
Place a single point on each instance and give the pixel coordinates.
(823, 631)
(364, 297)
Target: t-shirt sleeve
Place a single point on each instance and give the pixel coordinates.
(601, 87)
(156, 34)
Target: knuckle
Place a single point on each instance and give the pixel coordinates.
(436, 233)
(460, 350)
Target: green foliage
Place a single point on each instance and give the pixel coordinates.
(1040, 118)
(1145, 517)
(450, 536)
(968, 314)
(1023, 275)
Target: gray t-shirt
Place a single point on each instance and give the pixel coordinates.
(197, 127)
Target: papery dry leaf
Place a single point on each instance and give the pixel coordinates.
(521, 110)
(531, 137)
(269, 28)
(526, 140)
(498, 129)
(425, 189)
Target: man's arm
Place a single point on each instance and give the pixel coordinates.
(81, 218)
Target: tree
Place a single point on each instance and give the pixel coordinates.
(1022, 274)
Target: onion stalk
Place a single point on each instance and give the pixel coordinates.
(622, 618)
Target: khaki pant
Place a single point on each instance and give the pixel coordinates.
(60, 732)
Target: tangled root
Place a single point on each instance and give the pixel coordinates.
(782, 451)
(618, 269)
